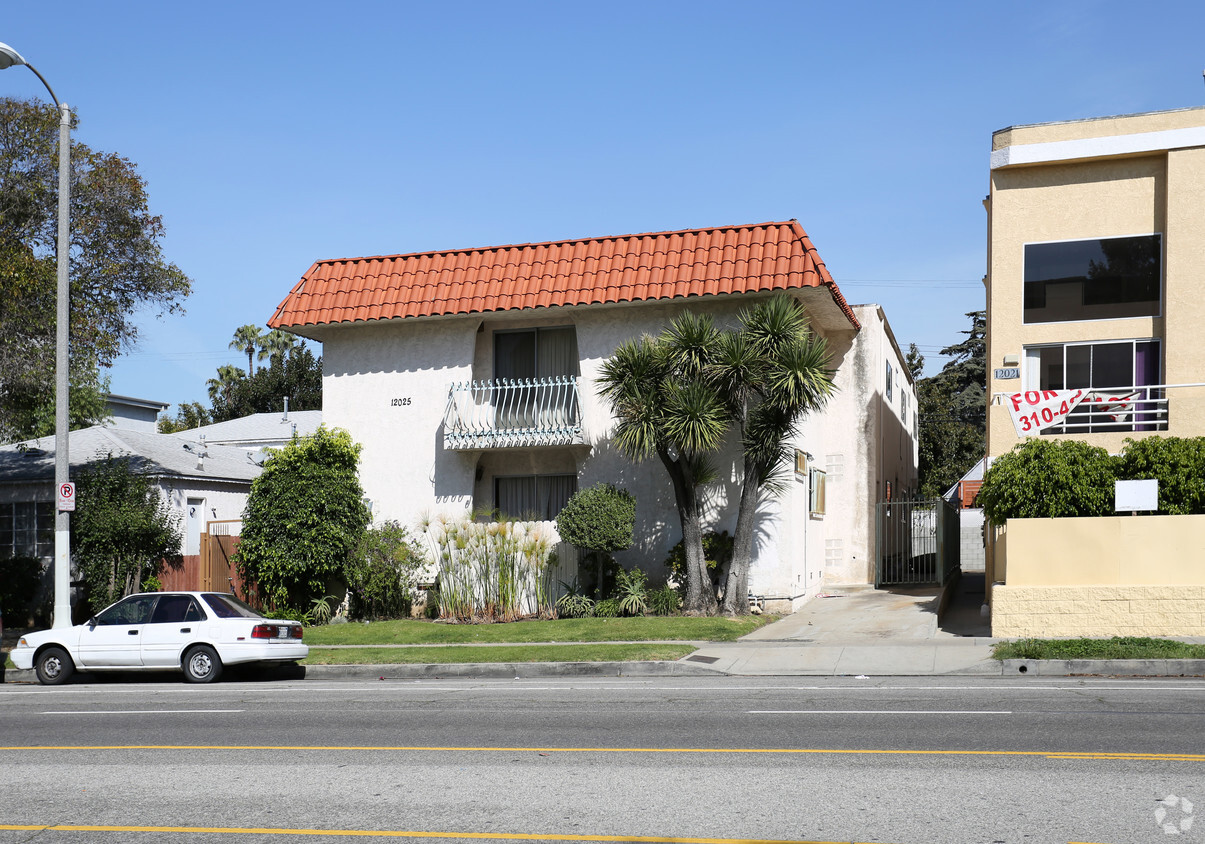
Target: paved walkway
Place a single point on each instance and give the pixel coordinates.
(860, 630)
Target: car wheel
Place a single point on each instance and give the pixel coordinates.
(54, 666)
(291, 671)
(202, 665)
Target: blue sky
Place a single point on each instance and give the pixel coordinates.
(274, 134)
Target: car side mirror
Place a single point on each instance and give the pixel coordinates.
(92, 623)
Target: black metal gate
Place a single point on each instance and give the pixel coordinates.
(916, 542)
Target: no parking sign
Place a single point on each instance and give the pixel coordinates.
(67, 497)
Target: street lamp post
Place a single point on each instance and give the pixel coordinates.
(62, 465)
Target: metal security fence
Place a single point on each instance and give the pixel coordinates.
(916, 542)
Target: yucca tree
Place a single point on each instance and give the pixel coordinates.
(275, 345)
(770, 372)
(664, 407)
(247, 339)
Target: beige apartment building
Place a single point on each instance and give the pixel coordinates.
(1096, 282)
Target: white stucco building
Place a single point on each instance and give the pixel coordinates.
(469, 377)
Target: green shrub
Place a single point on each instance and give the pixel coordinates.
(1043, 478)
(598, 518)
(383, 573)
(607, 608)
(19, 578)
(574, 604)
(717, 550)
(665, 601)
(1178, 463)
(631, 590)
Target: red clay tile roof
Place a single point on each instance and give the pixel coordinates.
(626, 268)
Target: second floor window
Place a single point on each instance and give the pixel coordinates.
(1111, 368)
(1108, 278)
(535, 353)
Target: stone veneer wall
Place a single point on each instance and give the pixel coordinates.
(1056, 611)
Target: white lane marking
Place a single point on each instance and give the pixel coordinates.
(879, 712)
(141, 711)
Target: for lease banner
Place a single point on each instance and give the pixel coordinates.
(1034, 410)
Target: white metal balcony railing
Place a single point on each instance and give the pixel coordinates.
(1130, 409)
(1137, 409)
(510, 413)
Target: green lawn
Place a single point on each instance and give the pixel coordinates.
(498, 653)
(419, 632)
(1118, 647)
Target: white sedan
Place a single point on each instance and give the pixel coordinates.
(194, 632)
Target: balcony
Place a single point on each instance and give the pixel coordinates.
(519, 413)
(1126, 409)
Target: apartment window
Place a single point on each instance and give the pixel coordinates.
(816, 484)
(1109, 367)
(904, 408)
(26, 529)
(535, 497)
(535, 353)
(889, 379)
(1106, 278)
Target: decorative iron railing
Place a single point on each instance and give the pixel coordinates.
(513, 413)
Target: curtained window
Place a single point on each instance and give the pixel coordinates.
(535, 497)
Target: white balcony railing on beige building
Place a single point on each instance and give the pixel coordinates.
(516, 413)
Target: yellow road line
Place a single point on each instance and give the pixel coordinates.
(398, 833)
(1046, 754)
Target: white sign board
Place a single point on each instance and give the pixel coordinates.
(67, 498)
(1131, 496)
(1034, 410)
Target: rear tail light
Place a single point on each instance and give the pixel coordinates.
(276, 631)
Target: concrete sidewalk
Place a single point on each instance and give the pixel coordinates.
(849, 631)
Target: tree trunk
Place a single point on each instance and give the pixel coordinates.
(700, 597)
(736, 586)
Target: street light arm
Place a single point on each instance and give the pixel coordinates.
(47, 84)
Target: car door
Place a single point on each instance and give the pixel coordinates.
(176, 621)
(113, 639)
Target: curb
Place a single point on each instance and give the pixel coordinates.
(1107, 667)
(530, 670)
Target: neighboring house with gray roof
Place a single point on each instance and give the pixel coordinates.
(201, 482)
(259, 430)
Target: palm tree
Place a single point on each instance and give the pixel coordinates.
(664, 407)
(275, 345)
(771, 371)
(247, 339)
(228, 376)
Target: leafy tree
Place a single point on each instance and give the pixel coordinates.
(599, 519)
(247, 339)
(384, 572)
(122, 530)
(303, 522)
(952, 406)
(1178, 463)
(276, 344)
(297, 375)
(664, 407)
(188, 416)
(116, 265)
(228, 376)
(771, 371)
(1044, 478)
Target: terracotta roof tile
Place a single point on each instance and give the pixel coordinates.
(627, 268)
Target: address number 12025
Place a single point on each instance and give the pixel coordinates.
(404, 402)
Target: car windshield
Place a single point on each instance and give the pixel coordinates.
(228, 606)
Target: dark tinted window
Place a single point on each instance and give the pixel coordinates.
(133, 610)
(1109, 278)
(228, 606)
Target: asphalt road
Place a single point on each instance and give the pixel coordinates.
(688, 760)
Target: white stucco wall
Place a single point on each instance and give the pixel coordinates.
(388, 385)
